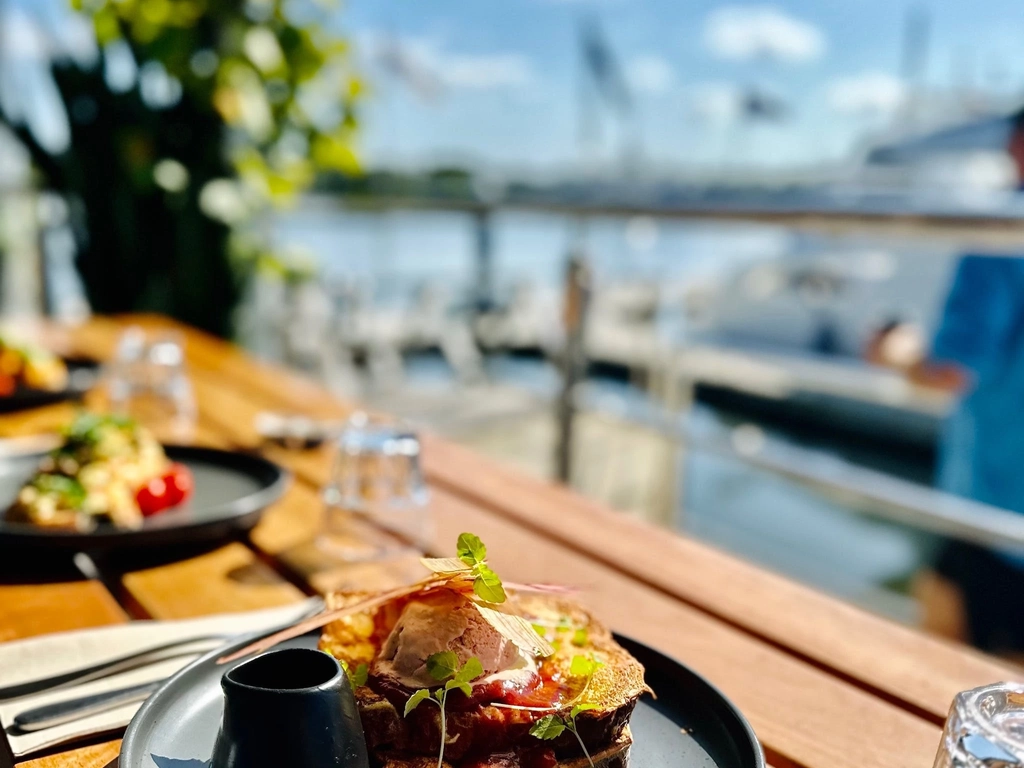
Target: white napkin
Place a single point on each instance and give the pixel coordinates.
(39, 657)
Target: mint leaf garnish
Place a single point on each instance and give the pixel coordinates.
(470, 549)
(470, 671)
(415, 699)
(548, 728)
(487, 585)
(443, 665)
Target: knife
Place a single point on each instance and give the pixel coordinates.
(63, 712)
(191, 646)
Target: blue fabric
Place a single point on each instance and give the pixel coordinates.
(982, 329)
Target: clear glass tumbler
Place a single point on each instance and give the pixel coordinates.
(148, 381)
(985, 729)
(377, 499)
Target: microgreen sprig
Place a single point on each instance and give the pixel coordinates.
(552, 726)
(486, 584)
(444, 667)
(356, 677)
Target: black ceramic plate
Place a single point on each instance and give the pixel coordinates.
(231, 491)
(690, 725)
(82, 375)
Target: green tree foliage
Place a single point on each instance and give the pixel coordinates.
(255, 97)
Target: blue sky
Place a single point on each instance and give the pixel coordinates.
(497, 81)
(512, 100)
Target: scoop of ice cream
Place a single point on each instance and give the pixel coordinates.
(444, 621)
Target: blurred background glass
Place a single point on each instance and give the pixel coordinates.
(377, 499)
(799, 338)
(148, 381)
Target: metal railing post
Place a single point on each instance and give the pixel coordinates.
(483, 299)
(578, 290)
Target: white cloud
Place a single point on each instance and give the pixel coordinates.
(760, 31)
(650, 73)
(869, 93)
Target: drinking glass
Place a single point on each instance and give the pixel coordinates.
(985, 728)
(148, 381)
(377, 500)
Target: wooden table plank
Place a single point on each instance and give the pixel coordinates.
(98, 756)
(294, 520)
(37, 609)
(229, 579)
(921, 671)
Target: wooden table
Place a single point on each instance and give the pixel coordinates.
(825, 685)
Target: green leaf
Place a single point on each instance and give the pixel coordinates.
(487, 585)
(548, 728)
(584, 666)
(580, 637)
(68, 490)
(443, 665)
(358, 678)
(581, 708)
(415, 699)
(466, 688)
(470, 671)
(470, 549)
(439, 694)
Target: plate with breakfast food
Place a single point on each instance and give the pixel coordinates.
(459, 670)
(31, 376)
(109, 483)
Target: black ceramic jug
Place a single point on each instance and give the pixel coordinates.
(292, 707)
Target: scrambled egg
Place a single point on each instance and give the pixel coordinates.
(94, 476)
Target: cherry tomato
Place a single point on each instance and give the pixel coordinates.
(179, 484)
(152, 497)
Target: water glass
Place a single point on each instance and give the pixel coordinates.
(985, 728)
(148, 381)
(377, 499)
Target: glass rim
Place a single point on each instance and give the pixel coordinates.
(404, 434)
(968, 705)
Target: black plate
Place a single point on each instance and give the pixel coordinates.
(82, 375)
(231, 491)
(690, 725)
